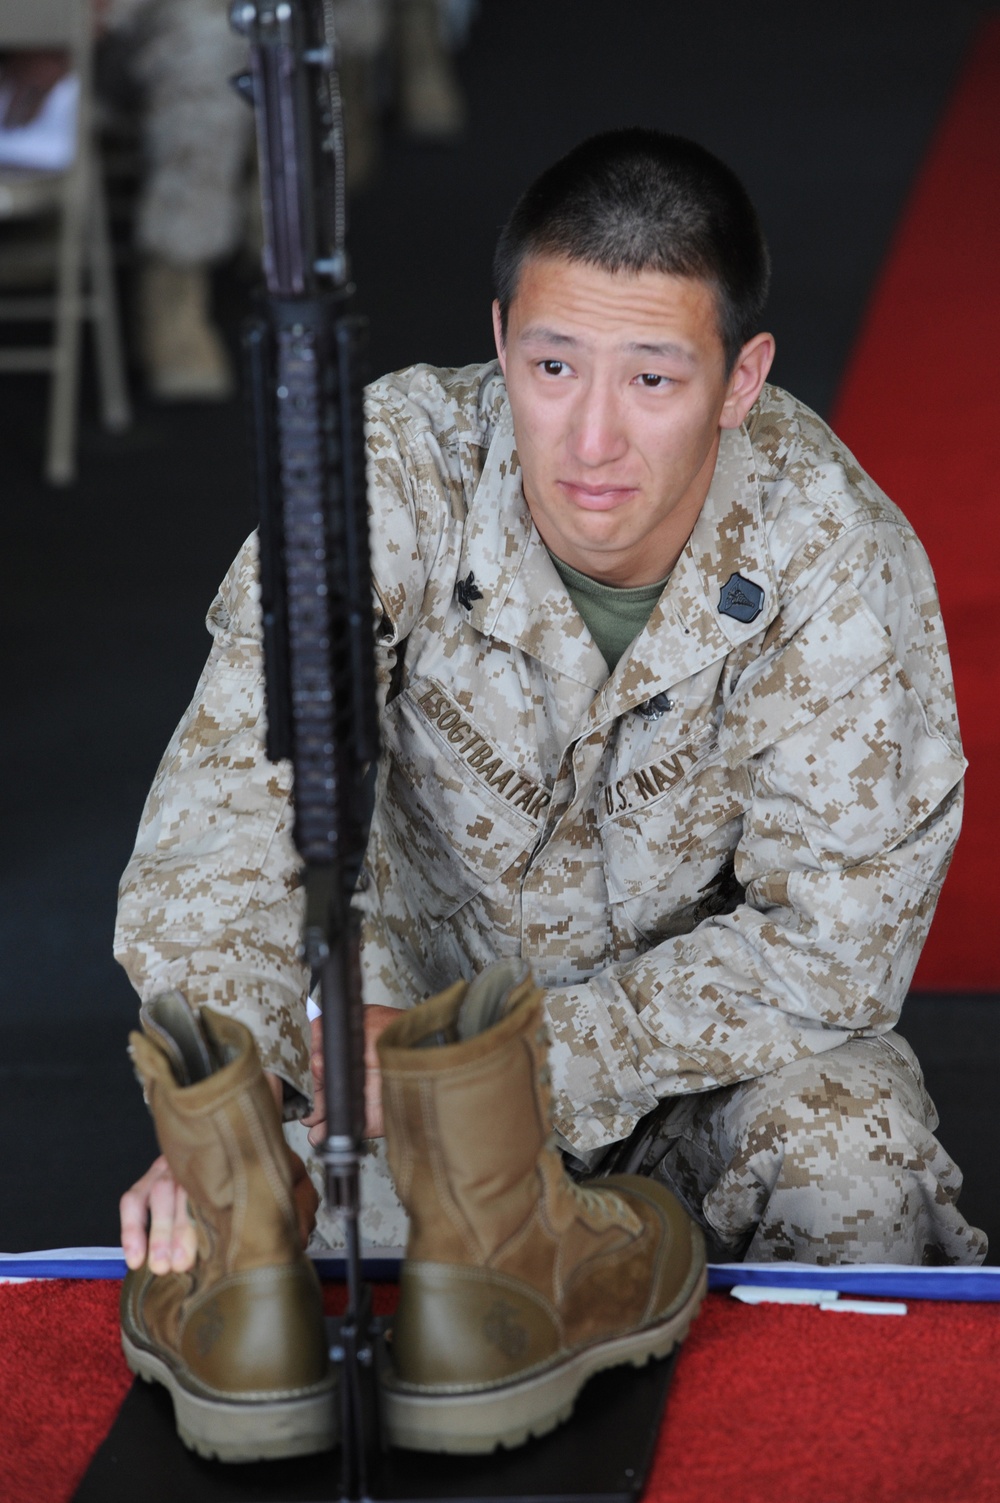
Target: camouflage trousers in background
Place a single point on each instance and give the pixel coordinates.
(828, 1160)
(196, 132)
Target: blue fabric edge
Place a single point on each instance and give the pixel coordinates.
(890, 1281)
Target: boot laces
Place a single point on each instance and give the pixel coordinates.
(600, 1205)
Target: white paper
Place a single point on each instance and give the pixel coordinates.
(866, 1306)
(777, 1294)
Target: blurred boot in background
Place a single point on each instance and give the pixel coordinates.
(182, 351)
(431, 104)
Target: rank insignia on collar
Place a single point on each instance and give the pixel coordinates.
(741, 599)
(652, 709)
(468, 591)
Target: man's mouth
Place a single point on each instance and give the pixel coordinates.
(591, 497)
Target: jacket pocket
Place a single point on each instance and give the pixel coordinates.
(866, 773)
(831, 722)
(834, 650)
(670, 864)
(456, 812)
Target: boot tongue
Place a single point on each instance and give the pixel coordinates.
(174, 1026)
(489, 996)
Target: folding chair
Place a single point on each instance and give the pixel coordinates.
(83, 250)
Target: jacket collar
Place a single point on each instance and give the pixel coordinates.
(523, 601)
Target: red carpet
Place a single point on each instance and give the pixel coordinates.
(919, 410)
(769, 1402)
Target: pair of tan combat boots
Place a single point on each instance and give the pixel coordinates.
(518, 1283)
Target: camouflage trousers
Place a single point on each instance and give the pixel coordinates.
(831, 1159)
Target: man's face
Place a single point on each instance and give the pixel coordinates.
(618, 390)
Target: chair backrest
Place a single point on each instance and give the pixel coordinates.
(44, 23)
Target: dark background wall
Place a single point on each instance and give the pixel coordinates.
(824, 109)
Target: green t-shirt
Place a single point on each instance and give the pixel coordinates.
(614, 615)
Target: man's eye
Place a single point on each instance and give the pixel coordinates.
(651, 381)
(553, 367)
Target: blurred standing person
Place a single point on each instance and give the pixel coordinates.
(196, 135)
(196, 139)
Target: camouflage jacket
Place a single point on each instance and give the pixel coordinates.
(719, 859)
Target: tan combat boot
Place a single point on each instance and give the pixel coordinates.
(239, 1341)
(182, 351)
(518, 1284)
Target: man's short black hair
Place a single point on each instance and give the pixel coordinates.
(639, 200)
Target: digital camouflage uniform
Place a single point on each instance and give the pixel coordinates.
(721, 861)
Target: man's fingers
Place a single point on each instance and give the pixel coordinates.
(316, 1120)
(172, 1245)
(377, 1019)
(184, 1249)
(304, 1196)
(316, 1051)
(374, 1125)
(157, 1200)
(133, 1210)
(162, 1202)
(318, 1113)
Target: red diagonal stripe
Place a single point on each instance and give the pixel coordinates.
(919, 408)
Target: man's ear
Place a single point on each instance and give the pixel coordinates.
(748, 376)
(498, 337)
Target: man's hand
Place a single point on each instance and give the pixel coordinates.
(159, 1201)
(155, 1219)
(377, 1019)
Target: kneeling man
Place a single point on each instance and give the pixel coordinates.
(666, 711)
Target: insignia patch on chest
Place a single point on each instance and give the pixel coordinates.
(741, 599)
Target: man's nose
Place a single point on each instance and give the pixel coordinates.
(598, 435)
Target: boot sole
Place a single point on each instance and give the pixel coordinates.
(476, 1423)
(241, 1430)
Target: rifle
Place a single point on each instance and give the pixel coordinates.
(304, 363)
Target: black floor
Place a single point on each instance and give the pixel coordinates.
(825, 110)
